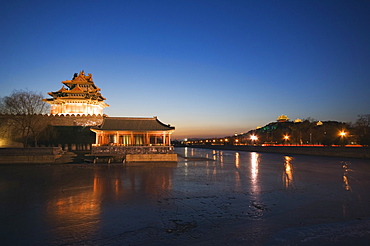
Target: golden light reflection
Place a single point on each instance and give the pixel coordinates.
(237, 160)
(76, 209)
(254, 172)
(77, 206)
(186, 152)
(221, 154)
(288, 172)
(345, 177)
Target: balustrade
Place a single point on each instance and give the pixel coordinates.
(124, 150)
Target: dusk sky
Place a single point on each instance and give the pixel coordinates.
(209, 68)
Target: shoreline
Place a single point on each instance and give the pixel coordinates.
(346, 152)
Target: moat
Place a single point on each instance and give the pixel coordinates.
(210, 197)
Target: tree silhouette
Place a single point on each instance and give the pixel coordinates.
(21, 111)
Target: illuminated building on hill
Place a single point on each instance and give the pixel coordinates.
(282, 118)
(77, 96)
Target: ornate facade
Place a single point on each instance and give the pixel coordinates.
(134, 139)
(79, 96)
(122, 131)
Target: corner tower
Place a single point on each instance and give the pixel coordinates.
(77, 96)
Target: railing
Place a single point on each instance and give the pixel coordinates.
(124, 150)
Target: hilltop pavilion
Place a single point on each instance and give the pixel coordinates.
(77, 96)
(282, 118)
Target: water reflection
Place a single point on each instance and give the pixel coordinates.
(186, 152)
(288, 172)
(221, 157)
(345, 166)
(214, 153)
(254, 171)
(77, 209)
(237, 159)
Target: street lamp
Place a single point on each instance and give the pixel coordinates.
(253, 138)
(342, 134)
(286, 138)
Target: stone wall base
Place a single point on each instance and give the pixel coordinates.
(39, 155)
(41, 159)
(151, 157)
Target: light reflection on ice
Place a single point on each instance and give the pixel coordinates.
(254, 171)
(288, 172)
(237, 159)
(345, 166)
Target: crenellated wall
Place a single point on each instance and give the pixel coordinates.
(67, 120)
(75, 120)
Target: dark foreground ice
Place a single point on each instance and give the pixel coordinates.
(208, 198)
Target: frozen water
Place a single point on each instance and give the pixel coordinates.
(209, 197)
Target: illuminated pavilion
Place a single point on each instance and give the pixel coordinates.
(126, 131)
(77, 96)
(134, 140)
(282, 118)
(128, 138)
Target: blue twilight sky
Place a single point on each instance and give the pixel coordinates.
(210, 68)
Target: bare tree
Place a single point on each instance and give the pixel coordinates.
(362, 127)
(23, 111)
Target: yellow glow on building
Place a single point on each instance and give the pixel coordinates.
(79, 96)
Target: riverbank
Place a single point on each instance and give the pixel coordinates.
(348, 152)
(37, 155)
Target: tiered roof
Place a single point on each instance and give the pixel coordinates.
(81, 86)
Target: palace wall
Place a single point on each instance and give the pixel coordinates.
(71, 132)
(30, 155)
(75, 120)
(66, 120)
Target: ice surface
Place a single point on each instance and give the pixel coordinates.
(208, 198)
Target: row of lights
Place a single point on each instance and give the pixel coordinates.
(254, 138)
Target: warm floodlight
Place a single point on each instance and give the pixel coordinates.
(254, 137)
(342, 133)
(286, 137)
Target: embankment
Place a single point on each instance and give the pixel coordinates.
(30, 155)
(348, 152)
